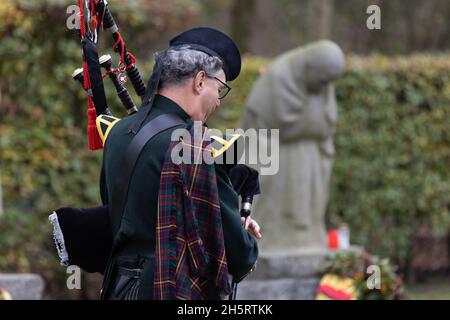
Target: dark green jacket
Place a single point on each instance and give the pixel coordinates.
(136, 236)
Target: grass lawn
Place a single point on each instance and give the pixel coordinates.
(433, 289)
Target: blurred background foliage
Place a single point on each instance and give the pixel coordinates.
(390, 181)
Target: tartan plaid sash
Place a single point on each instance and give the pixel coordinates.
(190, 251)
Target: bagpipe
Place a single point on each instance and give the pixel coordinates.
(84, 236)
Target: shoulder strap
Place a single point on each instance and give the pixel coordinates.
(120, 189)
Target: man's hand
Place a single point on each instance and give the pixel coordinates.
(252, 226)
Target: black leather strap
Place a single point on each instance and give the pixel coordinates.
(120, 190)
(95, 76)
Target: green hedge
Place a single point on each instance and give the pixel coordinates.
(393, 151)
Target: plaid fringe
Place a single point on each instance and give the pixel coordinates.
(190, 249)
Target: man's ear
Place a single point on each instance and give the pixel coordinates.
(199, 81)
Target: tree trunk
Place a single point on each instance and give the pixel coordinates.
(242, 15)
(320, 13)
(1, 196)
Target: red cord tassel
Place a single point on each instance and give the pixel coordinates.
(95, 142)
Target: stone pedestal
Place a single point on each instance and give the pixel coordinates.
(288, 275)
(22, 286)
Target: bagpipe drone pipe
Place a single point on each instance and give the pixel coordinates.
(93, 15)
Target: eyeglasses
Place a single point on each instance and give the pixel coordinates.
(224, 89)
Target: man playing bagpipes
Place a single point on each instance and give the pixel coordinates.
(168, 229)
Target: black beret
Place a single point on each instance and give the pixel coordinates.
(214, 43)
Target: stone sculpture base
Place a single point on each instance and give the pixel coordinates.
(288, 275)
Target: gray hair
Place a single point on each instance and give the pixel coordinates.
(181, 63)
